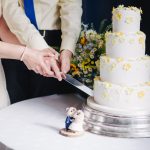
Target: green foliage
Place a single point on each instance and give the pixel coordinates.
(85, 64)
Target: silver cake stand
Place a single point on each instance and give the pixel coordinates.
(115, 123)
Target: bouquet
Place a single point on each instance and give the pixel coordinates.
(86, 62)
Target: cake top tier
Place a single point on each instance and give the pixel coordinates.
(129, 8)
(126, 19)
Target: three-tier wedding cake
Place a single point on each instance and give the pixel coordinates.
(124, 81)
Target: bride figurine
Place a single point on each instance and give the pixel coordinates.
(77, 124)
(74, 123)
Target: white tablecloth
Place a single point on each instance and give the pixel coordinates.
(34, 125)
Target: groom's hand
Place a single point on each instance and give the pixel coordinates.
(65, 59)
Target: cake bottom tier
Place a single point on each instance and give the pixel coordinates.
(122, 97)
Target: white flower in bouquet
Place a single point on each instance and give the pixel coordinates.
(85, 65)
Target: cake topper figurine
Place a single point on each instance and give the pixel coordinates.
(70, 111)
(74, 123)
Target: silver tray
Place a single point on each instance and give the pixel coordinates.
(116, 125)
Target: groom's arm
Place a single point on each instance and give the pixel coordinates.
(70, 14)
(20, 25)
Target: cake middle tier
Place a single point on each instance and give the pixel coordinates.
(125, 72)
(126, 45)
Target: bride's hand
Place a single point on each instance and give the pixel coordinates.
(53, 51)
(35, 60)
(54, 66)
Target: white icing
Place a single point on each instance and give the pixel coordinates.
(125, 45)
(126, 20)
(122, 97)
(125, 72)
(125, 69)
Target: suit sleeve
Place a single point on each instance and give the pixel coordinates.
(70, 14)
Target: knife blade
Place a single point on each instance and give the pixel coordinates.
(78, 85)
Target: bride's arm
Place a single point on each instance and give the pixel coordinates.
(11, 51)
(33, 59)
(16, 50)
(6, 35)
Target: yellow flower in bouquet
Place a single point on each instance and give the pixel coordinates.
(85, 64)
(75, 70)
(83, 40)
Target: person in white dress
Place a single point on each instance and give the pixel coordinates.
(33, 59)
(41, 24)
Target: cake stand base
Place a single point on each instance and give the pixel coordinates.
(115, 123)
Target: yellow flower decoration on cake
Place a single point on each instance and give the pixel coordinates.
(147, 83)
(119, 59)
(113, 42)
(141, 94)
(141, 11)
(129, 91)
(113, 66)
(106, 59)
(107, 85)
(105, 95)
(118, 16)
(127, 67)
(131, 41)
(129, 20)
(119, 34)
(122, 7)
(141, 40)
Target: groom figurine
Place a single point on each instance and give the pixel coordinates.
(59, 23)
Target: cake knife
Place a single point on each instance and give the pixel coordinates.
(78, 85)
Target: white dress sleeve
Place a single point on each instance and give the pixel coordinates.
(4, 98)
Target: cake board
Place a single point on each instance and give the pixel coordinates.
(115, 123)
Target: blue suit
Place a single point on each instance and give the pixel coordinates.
(68, 122)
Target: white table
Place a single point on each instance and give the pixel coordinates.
(34, 125)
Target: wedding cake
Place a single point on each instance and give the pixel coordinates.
(124, 81)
